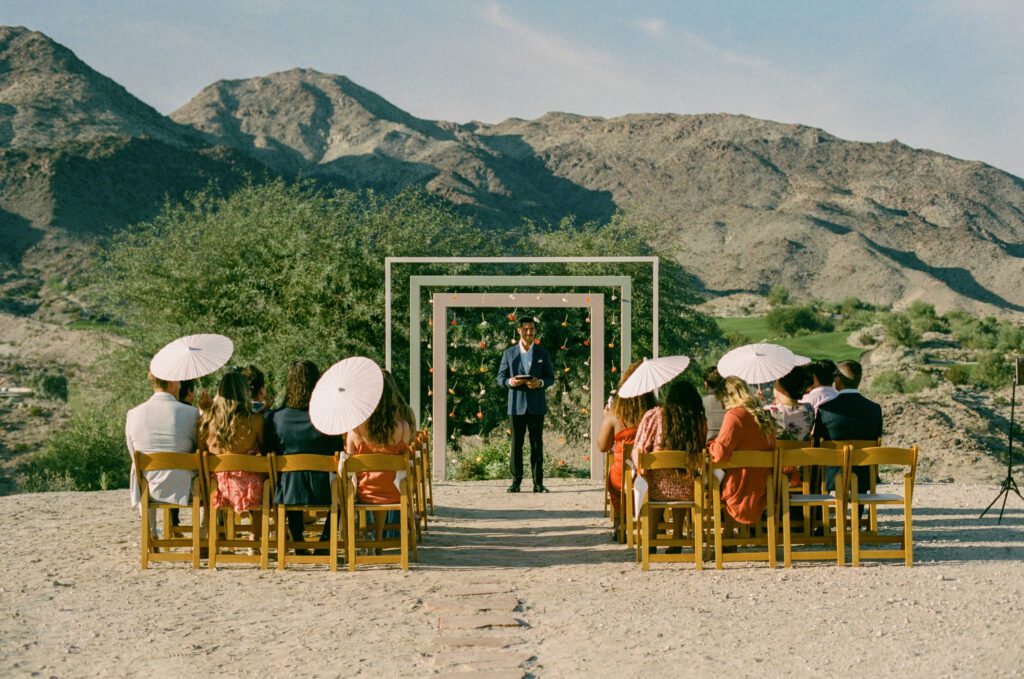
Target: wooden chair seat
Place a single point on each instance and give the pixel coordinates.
(805, 458)
(760, 546)
(872, 457)
(406, 541)
(652, 510)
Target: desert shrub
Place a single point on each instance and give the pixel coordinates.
(899, 332)
(778, 295)
(1009, 338)
(88, 454)
(958, 374)
(918, 382)
(790, 320)
(887, 382)
(563, 469)
(992, 372)
(866, 338)
(923, 319)
(51, 385)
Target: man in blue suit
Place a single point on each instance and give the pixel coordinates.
(848, 417)
(526, 371)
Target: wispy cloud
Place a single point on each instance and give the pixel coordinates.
(547, 44)
(723, 54)
(652, 27)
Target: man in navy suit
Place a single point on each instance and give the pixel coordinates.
(848, 416)
(526, 371)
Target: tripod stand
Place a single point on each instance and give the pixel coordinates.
(1008, 485)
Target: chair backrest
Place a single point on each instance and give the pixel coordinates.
(374, 462)
(668, 459)
(786, 444)
(236, 463)
(758, 459)
(811, 456)
(906, 457)
(152, 462)
(304, 462)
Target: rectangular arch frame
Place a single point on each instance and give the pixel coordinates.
(439, 340)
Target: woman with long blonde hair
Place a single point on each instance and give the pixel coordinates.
(621, 418)
(679, 424)
(746, 426)
(386, 432)
(230, 427)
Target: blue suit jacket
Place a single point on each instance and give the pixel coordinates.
(522, 399)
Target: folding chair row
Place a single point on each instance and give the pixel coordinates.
(224, 531)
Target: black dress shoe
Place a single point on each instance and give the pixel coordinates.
(540, 489)
(514, 488)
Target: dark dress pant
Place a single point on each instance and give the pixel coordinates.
(534, 424)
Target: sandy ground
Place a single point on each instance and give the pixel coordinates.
(73, 602)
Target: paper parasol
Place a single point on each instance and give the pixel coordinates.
(192, 356)
(346, 395)
(757, 363)
(653, 373)
(801, 360)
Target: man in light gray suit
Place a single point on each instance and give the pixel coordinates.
(162, 425)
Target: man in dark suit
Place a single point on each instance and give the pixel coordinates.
(526, 371)
(848, 416)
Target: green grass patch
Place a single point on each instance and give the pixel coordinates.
(831, 345)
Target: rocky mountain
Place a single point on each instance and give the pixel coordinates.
(743, 203)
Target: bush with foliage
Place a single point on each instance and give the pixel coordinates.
(51, 385)
(899, 332)
(923, 319)
(88, 454)
(791, 320)
(778, 295)
(887, 382)
(993, 371)
(958, 374)
(918, 382)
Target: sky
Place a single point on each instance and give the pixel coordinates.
(947, 75)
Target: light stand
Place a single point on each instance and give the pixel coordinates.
(1009, 484)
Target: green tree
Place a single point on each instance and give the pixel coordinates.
(790, 320)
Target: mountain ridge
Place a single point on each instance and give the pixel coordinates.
(742, 203)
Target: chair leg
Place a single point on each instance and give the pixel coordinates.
(854, 532)
(404, 535)
(282, 538)
(645, 537)
(351, 523)
(333, 537)
(840, 532)
(195, 530)
(787, 533)
(717, 509)
(908, 533)
(265, 530)
(145, 530)
(214, 535)
(697, 519)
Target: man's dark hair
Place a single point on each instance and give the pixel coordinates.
(824, 370)
(527, 319)
(254, 376)
(795, 382)
(712, 378)
(848, 373)
(186, 387)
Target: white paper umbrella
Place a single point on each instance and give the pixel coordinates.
(653, 373)
(757, 363)
(346, 395)
(192, 356)
(801, 360)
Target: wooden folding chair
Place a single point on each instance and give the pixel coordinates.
(419, 487)
(309, 462)
(906, 457)
(767, 532)
(609, 458)
(858, 444)
(652, 510)
(407, 533)
(806, 457)
(625, 517)
(260, 464)
(159, 549)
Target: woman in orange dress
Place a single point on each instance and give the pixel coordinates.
(384, 433)
(679, 424)
(230, 426)
(746, 426)
(621, 417)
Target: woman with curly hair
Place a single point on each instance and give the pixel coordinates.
(292, 432)
(230, 427)
(386, 432)
(746, 426)
(621, 418)
(679, 424)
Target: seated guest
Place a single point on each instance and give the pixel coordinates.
(820, 390)
(793, 419)
(162, 425)
(290, 431)
(257, 387)
(187, 392)
(230, 427)
(746, 426)
(680, 425)
(712, 406)
(384, 433)
(621, 417)
(849, 416)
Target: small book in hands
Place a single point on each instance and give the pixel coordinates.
(523, 377)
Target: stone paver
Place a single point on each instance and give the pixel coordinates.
(478, 621)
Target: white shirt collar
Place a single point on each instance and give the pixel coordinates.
(847, 391)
